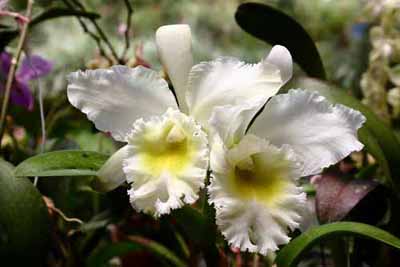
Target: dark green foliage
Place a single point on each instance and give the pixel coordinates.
(275, 27)
(24, 221)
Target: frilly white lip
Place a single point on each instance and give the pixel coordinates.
(167, 162)
(255, 193)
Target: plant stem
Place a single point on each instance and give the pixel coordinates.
(128, 27)
(104, 37)
(13, 68)
(101, 33)
(256, 260)
(41, 111)
(85, 28)
(14, 15)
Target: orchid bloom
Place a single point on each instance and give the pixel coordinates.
(32, 67)
(255, 167)
(165, 160)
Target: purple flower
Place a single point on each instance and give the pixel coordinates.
(32, 67)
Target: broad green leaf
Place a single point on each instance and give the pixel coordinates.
(62, 163)
(378, 138)
(24, 221)
(93, 141)
(101, 256)
(275, 27)
(291, 254)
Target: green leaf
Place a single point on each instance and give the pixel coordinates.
(275, 27)
(24, 221)
(291, 254)
(136, 243)
(158, 250)
(101, 256)
(378, 138)
(62, 163)
(92, 141)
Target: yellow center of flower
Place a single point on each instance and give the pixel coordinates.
(260, 178)
(166, 150)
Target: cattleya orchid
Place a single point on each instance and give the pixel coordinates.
(255, 167)
(166, 157)
(32, 67)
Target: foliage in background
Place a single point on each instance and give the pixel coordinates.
(81, 227)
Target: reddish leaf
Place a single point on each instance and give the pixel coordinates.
(336, 197)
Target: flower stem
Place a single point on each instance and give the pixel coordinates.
(15, 15)
(100, 32)
(41, 111)
(256, 260)
(13, 68)
(128, 27)
(85, 28)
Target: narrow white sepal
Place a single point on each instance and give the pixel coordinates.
(279, 56)
(230, 122)
(174, 44)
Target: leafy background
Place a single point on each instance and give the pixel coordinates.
(64, 222)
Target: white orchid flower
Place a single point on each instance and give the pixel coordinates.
(165, 160)
(255, 169)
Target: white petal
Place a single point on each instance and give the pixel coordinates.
(255, 214)
(218, 162)
(166, 172)
(230, 122)
(174, 44)
(321, 134)
(114, 98)
(280, 57)
(110, 175)
(228, 81)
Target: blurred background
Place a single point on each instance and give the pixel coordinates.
(358, 40)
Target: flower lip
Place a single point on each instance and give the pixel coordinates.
(259, 171)
(255, 195)
(167, 162)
